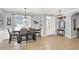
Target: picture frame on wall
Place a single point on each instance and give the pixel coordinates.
(8, 20)
(36, 22)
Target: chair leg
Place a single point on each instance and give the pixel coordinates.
(34, 37)
(9, 39)
(39, 34)
(19, 39)
(26, 38)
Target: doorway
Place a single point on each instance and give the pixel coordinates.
(50, 25)
(75, 25)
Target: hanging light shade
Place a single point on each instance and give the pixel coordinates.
(60, 16)
(24, 19)
(25, 14)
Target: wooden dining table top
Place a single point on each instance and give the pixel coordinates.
(14, 31)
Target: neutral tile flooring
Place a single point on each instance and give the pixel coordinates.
(44, 43)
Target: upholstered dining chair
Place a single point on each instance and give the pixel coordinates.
(38, 32)
(31, 34)
(12, 35)
(24, 33)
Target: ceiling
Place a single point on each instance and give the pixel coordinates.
(52, 11)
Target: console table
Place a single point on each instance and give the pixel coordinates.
(61, 30)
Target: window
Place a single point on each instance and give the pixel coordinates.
(19, 23)
(18, 20)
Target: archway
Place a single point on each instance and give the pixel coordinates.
(75, 24)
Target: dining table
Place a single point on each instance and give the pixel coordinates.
(30, 31)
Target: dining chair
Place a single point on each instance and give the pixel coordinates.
(12, 35)
(38, 32)
(23, 33)
(31, 34)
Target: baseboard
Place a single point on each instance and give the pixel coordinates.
(71, 37)
(74, 37)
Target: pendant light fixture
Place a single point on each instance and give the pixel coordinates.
(24, 19)
(25, 14)
(61, 16)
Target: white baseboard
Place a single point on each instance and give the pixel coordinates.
(74, 37)
(71, 37)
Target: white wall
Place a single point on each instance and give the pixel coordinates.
(3, 32)
(3, 35)
(68, 26)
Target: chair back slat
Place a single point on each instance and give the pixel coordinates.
(23, 30)
(9, 32)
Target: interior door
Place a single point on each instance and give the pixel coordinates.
(50, 25)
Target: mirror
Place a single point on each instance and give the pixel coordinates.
(61, 24)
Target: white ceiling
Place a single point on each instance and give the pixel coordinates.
(39, 10)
